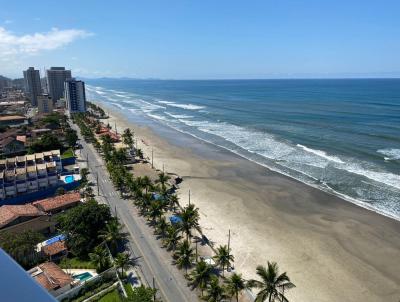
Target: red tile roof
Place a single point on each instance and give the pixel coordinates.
(50, 276)
(58, 202)
(9, 213)
(54, 248)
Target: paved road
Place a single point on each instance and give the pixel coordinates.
(154, 261)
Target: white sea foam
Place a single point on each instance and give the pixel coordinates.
(182, 106)
(118, 105)
(321, 153)
(391, 154)
(387, 178)
(179, 116)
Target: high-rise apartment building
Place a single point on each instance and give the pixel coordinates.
(45, 104)
(56, 76)
(32, 84)
(75, 96)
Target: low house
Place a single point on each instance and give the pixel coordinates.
(51, 277)
(13, 120)
(39, 216)
(12, 146)
(54, 248)
(58, 203)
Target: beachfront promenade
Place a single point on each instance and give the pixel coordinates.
(153, 261)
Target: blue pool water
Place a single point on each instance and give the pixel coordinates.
(342, 136)
(69, 179)
(84, 276)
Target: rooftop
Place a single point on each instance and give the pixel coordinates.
(54, 248)
(9, 213)
(50, 276)
(12, 117)
(58, 202)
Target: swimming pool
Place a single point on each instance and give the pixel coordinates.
(84, 276)
(69, 178)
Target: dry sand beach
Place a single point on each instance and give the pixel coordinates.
(332, 250)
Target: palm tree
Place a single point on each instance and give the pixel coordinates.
(190, 219)
(100, 258)
(173, 201)
(172, 237)
(272, 285)
(223, 257)
(184, 255)
(127, 138)
(161, 227)
(215, 292)
(201, 275)
(145, 182)
(155, 211)
(235, 284)
(163, 178)
(122, 261)
(112, 234)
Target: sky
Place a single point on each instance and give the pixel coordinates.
(207, 39)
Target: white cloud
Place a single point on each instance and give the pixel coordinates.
(12, 44)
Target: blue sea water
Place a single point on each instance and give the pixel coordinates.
(342, 136)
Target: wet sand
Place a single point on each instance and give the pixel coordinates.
(332, 249)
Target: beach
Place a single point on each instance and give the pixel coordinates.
(332, 249)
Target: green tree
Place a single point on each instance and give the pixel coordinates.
(83, 224)
(190, 219)
(223, 257)
(201, 275)
(122, 262)
(272, 285)
(22, 247)
(100, 258)
(71, 137)
(161, 227)
(235, 284)
(155, 211)
(215, 292)
(60, 191)
(47, 142)
(163, 178)
(172, 237)
(127, 138)
(184, 255)
(173, 201)
(142, 294)
(112, 234)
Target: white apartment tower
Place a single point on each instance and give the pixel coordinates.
(56, 76)
(32, 84)
(75, 96)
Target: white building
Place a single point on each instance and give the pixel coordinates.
(29, 173)
(56, 76)
(75, 96)
(32, 84)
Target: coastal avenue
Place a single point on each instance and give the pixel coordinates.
(156, 262)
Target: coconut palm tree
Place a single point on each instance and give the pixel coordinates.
(155, 211)
(172, 237)
(215, 292)
(184, 255)
(163, 178)
(145, 182)
(112, 235)
(127, 138)
(235, 284)
(122, 262)
(201, 275)
(273, 284)
(100, 258)
(173, 201)
(190, 219)
(223, 257)
(161, 227)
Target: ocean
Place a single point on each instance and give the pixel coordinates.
(342, 136)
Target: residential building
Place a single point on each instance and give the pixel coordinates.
(32, 84)
(75, 96)
(11, 143)
(29, 173)
(50, 276)
(56, 76)
(39, 216)
(13, 120)
(45, 104)
(54, 248)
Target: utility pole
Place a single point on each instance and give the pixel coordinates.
(136, 142)
(154, 289)
(115, 125)
(229, 243)
(152, 156)
(189, 196)
(196, 251)
(163, 168)
(97, 180)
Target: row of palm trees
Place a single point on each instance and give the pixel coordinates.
(177, 237)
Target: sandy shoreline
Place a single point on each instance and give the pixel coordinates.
(332, 250)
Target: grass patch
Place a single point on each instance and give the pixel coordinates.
(76, 263)
(114, 296)
(67, 154)
(128, 289)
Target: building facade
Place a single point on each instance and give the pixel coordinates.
(32, 84)
(45, 104)
(56, 76)
(29, 173)
(75, 96)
